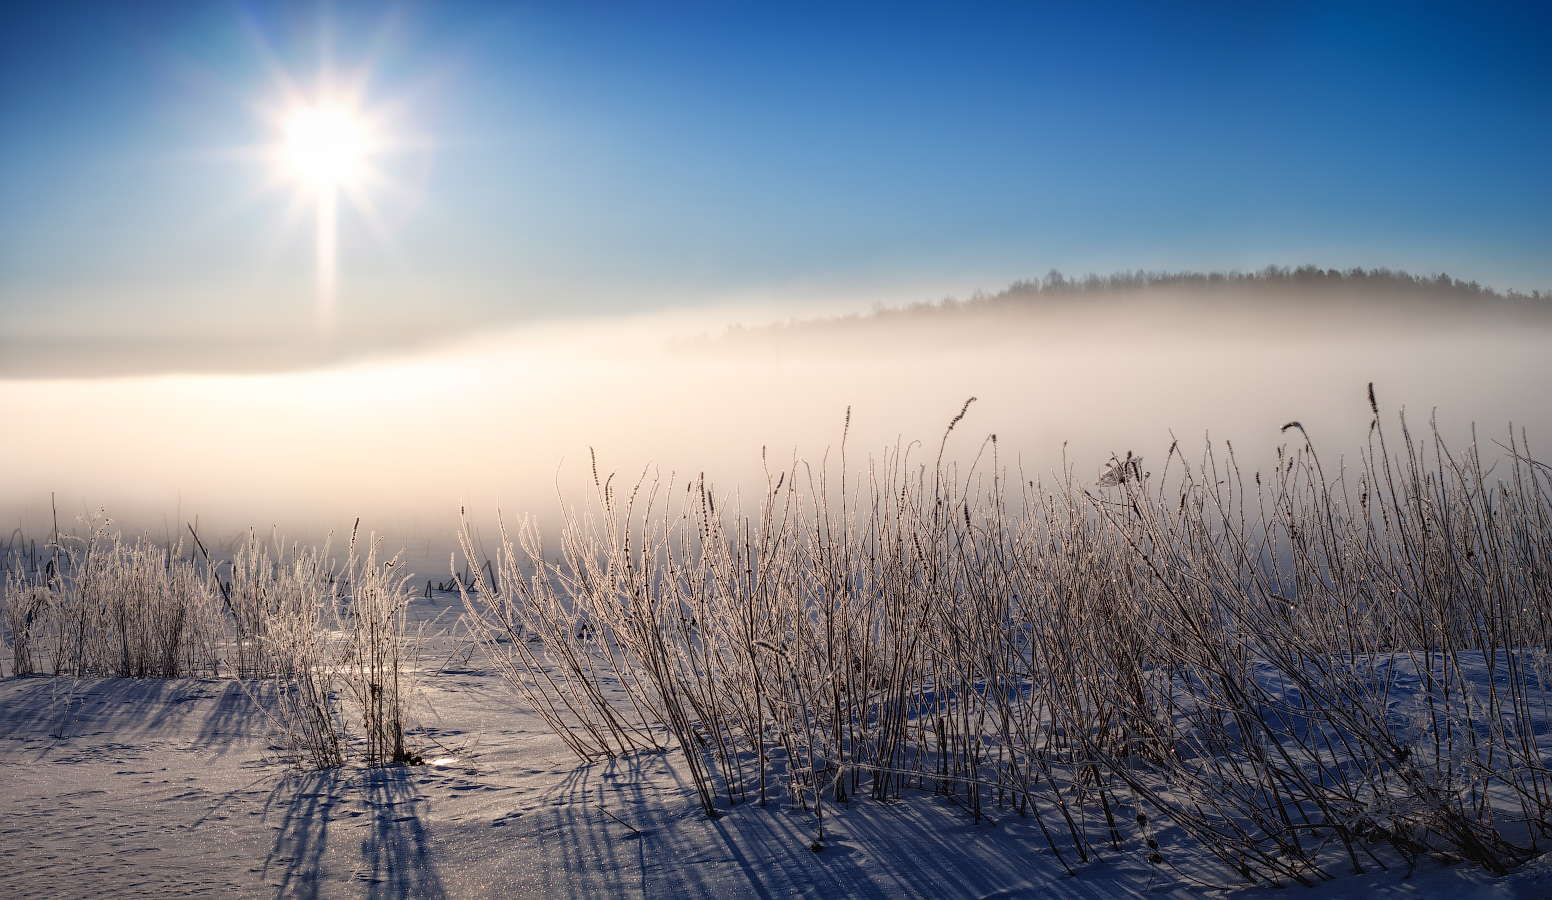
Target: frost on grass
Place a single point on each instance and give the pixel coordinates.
(1293, 671)
(320, 646)
(1296, 671)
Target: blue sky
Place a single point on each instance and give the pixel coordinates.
(564, 159)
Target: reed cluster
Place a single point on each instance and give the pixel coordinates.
(101, 605)
(1289, 667)
(320, 644)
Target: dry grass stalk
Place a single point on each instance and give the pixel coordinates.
(1188, 651)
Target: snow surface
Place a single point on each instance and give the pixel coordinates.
(134, 788)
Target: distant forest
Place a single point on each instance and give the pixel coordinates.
(1302, 277)
(1307, 280)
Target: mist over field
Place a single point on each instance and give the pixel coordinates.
(509, 420)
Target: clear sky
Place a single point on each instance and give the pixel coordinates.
(560, 159)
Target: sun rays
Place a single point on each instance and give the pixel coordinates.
(325, 146)
(335, 141)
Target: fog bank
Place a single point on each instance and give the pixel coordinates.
(511, 419)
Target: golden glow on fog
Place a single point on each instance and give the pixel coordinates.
(510, 419)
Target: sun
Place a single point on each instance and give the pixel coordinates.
(329, 152)
(325, 144)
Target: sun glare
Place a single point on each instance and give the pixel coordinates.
(325, 145)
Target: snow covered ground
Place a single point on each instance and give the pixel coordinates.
(128, 788)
